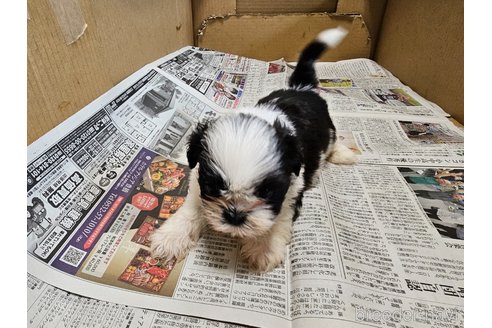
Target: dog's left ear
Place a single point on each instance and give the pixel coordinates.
(195, 144)
(291, 150)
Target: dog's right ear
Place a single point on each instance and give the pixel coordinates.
(195, 144)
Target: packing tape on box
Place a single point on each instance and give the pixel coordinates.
(70, 19)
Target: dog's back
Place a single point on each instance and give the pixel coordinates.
(305, 108)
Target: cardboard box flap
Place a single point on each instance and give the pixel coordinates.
(204, 9)
(371, 10)
(270, 37)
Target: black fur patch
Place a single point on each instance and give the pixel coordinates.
(290, 149)
(297, 206)
(304, 74)
(196, 145)
(211, 183)
(308, 112)
(272, 190)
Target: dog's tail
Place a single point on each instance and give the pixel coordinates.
(304, 75)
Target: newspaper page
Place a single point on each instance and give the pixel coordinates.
(363, 86)
(50, 307)
(361, 255)
(228, 80)
(380, 246)
(401, 140)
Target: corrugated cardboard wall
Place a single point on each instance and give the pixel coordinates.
(422, 43)
(121, 37)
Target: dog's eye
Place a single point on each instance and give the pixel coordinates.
(210, 190)
(265, 191)
(272, 189)
(212, 186)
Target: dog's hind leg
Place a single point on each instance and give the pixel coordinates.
(341, 154)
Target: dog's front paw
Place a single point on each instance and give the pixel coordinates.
(263, 258)
(172, 239)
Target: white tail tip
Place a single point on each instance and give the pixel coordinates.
(333, 36)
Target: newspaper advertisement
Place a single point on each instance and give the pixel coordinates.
(377, 244)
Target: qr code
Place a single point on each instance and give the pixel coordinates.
(73, 256)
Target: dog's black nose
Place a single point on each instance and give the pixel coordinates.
(234, 217)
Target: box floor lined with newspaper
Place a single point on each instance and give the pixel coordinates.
(377, 244)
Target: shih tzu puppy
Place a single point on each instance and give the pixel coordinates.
(250, 168)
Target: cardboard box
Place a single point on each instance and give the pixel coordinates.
(120, 36)
(421, 42)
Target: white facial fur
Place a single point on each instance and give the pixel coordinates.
(242, 149)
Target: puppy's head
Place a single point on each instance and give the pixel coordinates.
(245, 170)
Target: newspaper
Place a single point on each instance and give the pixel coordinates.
(51, 307)
(377, 244)
(402, 140)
